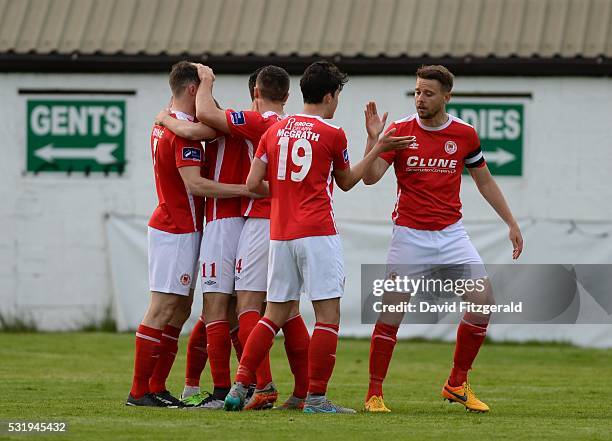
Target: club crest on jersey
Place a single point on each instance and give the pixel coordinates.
(238, 118)
(450, 147)
(289, 125)
(192, 154)
(345, 154)
(185, 279)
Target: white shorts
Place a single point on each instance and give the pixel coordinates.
(252, 257)
(218, 254)
(173, 261)
(311, 265)
(416, 251)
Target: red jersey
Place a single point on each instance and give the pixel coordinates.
(178, 211)
(223, 163)
(302, 152)
(250, 126)
(429, 171)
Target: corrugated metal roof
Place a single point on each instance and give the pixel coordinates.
(350, 28)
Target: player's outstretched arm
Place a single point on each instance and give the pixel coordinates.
(255, 181)
(206, 107)
(347, 178)
(200, 186)
(194, 131)
(492, 193)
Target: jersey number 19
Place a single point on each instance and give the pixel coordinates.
(301, 156)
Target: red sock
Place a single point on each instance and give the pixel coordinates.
(383, 341)
(470, 336)
(257, 347)
(248, 320)
(236, 342)
(322, 357)
(297, 341)
(219, 353)
(196, 353)
(145, 358)
(167, 353)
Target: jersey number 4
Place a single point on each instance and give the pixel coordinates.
(301, 156)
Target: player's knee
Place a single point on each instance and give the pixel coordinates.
(158, 316)
(278, 313)
(250, 300)
(216, 307)
(327, 311)
(295, 309)
(182, 313)
(330, 316)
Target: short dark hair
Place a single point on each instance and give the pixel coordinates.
(253, 81)
(319, 79)
(182, 75)
(439, 73)
(273, 83)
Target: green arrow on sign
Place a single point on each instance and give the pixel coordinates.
(102, 153)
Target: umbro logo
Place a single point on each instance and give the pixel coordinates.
(210, 282)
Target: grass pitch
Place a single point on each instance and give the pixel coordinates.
(535, 392)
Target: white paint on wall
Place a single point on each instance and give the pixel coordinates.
(53, 255)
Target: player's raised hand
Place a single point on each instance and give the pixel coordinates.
(389, 142)
(205, 73)
(374, 124)
(516, 238)
(159, 118)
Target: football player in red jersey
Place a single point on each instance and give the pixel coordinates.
(269, 92)
(174, 236)
(301, 156)
(428, 231)
(268, 87)
(224, 222)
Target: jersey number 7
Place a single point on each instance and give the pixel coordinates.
(301, 156)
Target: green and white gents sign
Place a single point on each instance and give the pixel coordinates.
(500, 128)
(75, 135)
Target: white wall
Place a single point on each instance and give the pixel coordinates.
(53, 256)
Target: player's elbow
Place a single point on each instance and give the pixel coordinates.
(193, 187)
(369, 180)
(252, 185)
(345, 185)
